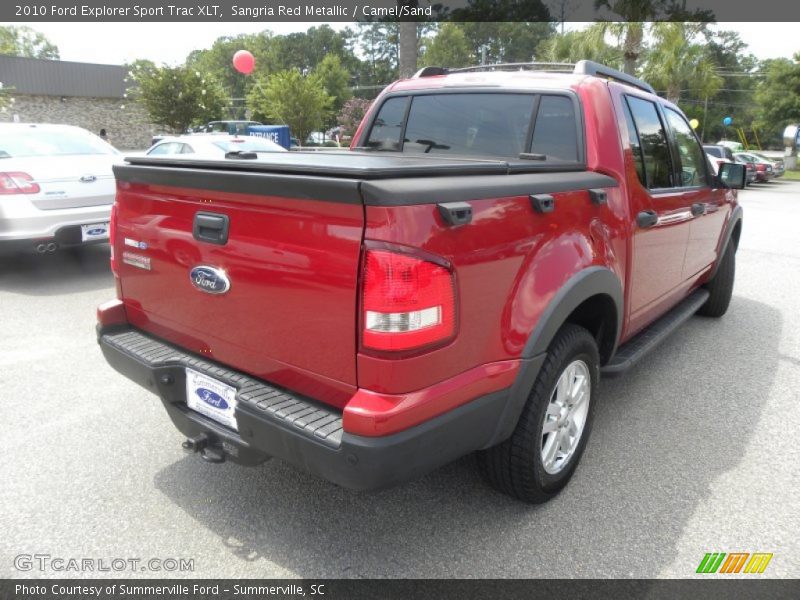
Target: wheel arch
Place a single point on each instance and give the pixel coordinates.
(733, 231)
(592, 298)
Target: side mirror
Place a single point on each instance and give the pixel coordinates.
(732, 175)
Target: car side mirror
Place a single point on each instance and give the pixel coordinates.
(732, 175)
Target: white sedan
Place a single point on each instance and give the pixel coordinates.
(211, 145)
(56, 187)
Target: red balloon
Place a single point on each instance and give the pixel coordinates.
(244, 62)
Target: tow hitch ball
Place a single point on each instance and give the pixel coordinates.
(200, 443)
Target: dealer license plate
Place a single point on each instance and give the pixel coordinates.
(94, 231)
(212, 398)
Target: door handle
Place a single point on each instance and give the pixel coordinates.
(211, 228)
(646, 218)
(698, 208)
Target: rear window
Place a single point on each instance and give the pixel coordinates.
(40, 142)
(477, 124)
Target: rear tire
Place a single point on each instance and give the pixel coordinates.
(720, 287)
(541, 455)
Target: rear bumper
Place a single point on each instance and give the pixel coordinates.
(21, 221)
(276, 423)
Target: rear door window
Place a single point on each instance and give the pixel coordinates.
(555, 133)
(388, 125)
(653, 142)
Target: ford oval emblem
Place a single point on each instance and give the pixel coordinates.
(210, 280)
(211, 398)
(96, 231)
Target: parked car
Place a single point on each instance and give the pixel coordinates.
(715, 162)
(764, 168)
(750, 167)
(211, 145)
(718, 151)
(778, 166)
(56, 187)
(462, 286)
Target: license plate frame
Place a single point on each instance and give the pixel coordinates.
(92, 231)
(211, 398)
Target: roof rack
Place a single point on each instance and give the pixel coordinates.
(583, 67)
(558, 67)
(588, 67)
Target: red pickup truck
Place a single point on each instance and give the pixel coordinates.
(494, 242)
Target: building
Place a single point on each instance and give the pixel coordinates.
(87, 95)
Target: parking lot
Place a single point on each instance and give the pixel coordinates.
(695, 451)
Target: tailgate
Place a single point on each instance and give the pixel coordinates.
(277, 298)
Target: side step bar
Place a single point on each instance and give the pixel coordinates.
(649, 338)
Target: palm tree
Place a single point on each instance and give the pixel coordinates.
(676, 60)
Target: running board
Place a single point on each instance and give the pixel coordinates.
(649, 338)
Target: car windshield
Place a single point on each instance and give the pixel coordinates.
(249, 144)
(49, 142)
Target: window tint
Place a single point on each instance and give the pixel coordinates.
(636, 148)
(714, 150)
(657, 164)
(473, 124)
(385, 133)
(691, 158)
(555, 133)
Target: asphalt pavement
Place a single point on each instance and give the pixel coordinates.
(694, 451)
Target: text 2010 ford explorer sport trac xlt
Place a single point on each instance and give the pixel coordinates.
(494, 243)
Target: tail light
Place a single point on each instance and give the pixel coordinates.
(408, 303)
(16, 182)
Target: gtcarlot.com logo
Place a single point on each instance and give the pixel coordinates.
(734, 562)
(47, 562)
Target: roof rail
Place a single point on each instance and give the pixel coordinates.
(429, 72)
(558, 67)
(588, 67)
(582, 67)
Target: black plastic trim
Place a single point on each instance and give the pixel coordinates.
(736, 218)
(428, 190)
(355, 462)
(205, 177)
(543, 203)
(580, 287)
(647, 340)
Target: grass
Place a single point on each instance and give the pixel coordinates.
(792, 175)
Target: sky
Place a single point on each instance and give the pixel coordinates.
(118, 43)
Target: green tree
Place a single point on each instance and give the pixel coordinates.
(291, 99)
(678, 59)
(24, 41)
(778, 98)
(506, 42)
(217, 62)
(632, 29)
(176, 97)
(572, 46)
(336, 81)
(448, 48)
